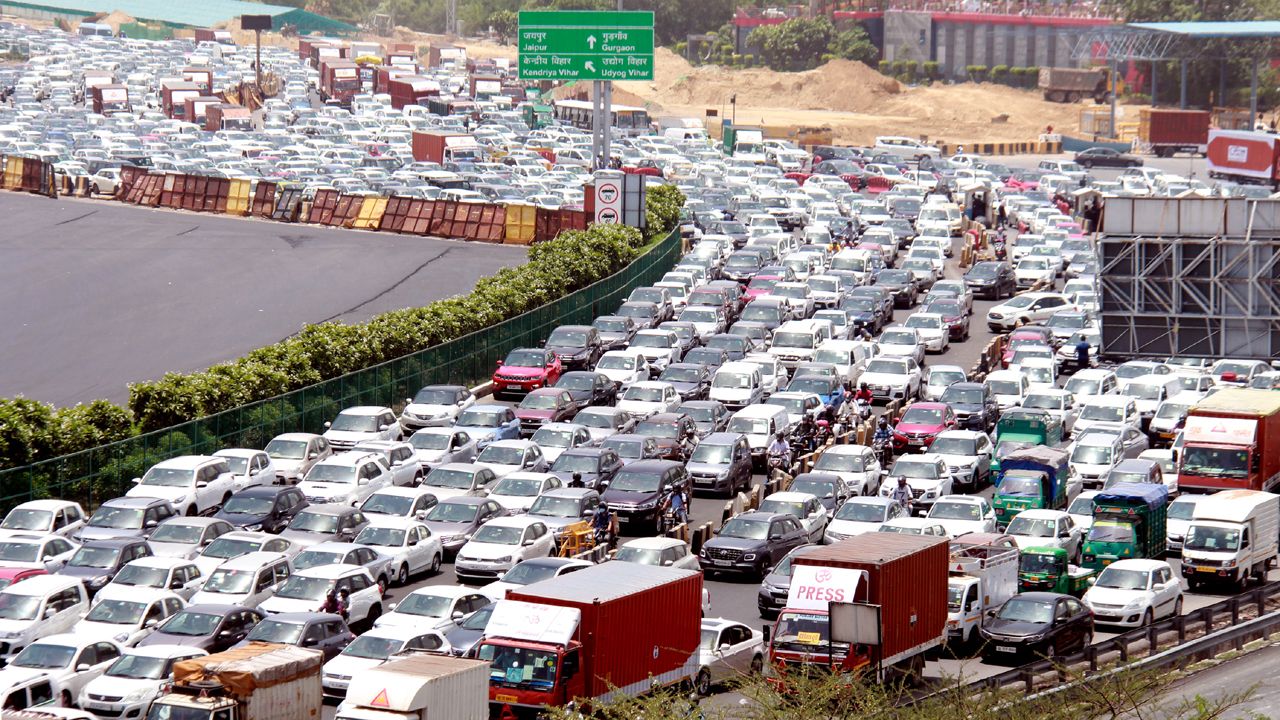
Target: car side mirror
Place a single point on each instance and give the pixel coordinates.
(137, 481)
(175, 585)
(202, 484)
(528, 543)
(457, 615)
(384, 427)
(408, 401)
(310, 642)
(313, 455)
(151, 622)
(84, 667)
(50, 612)
(724, 648)
(149, 523)
(328, 425)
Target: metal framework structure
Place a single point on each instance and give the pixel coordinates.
(1184, 289)
(1123, 42)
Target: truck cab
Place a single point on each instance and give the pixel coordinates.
(981, 578)
(1129, 521)
(1230, 442)
(1231, 538)
(1031, 478)
(1045, 569)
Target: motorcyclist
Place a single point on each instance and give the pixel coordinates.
(805, 432)
(863, 394)
(779, 451)
(883, 439)
(677, 505)
(602, 525)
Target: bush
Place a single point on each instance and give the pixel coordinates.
(977, 73)
(930, 68)
(883, 67)
(999, 73)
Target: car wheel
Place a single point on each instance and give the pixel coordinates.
(702, 683)
(1087, 641)
(1147, 617)
(1177, 607)
(402, 577)
(435, 565)
(757, 665)
(191, 511)
(382, 585)
(375, 612)
(66, 698)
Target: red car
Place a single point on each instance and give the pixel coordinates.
(920, 425)
(544, 405)
(526, 369)
(9, 576)
(760, 285)
(1025, 336)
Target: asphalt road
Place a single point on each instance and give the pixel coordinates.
(1249, 676)
(97, 294)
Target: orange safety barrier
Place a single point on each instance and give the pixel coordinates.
(394, 216)
(322, 207)
(264, 199)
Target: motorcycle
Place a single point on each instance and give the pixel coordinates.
(1001, 253)
(862, 408)
(883, 450)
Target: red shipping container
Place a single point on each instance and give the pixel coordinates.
(1240, 153)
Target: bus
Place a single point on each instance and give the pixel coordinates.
(624, 118)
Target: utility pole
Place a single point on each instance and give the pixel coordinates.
(451, 18)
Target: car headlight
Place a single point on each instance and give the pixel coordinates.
(995, 316)
(1133, 604)
(121, 637)
(930, 493)
(503, 559)
(749, 556)
(1228, 563)
(139, 695)
(647, 505)
(450, 538)
(254, 527)
(99, 581)
(10, 635)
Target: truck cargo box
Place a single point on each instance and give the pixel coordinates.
(1240, 154)
(1170, 130)
(275, 682)
(430, 686)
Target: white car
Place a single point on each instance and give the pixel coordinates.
(926, 474)
(69, 661)
(857, 465)
(436, 446)
(435, 406)
(1008, 387)
(406, 542)
(1031, 307)
(729, 650)
(897, 341)
(347, 478)
(659, 347)
(400, 502)
(373, 648)
(1180, 512)
(623, 367)
(650, 397)
(128, 620)
(1047, 528)
(435, 607)
(806, 508)
(932, 330)
(968, 456)
(399, 457)
(891, 378)
(962, 514)
(193, 484)
(532, 571)
(1056, 402)
(357, 424)
(129, 685)
(860, 515)
(555, 438)
(501, 543)
(184, 537)
(913, 526)
(241, 542)
(660, 551)
(1033, 269)
(1134, 592)
(508, 456)
(40, 517)
(1081, 510)
(306, 590)
(37, 607)
(181, 577)
(41, 552)
(517, 491)
(249, 467)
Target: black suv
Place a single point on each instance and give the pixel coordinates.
(974, 405)
(594, 464)
(268, 508)
(752, 543)
(993, 280)
(577, 346)
(97, 561)
(588, 388)
(636, 491)
(903, 284)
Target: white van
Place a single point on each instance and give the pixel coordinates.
(1089, 383)
(737, 384)
(38, 607)
(679, 134)
(795, 341)
(759, 423)
(1232, 536)
(906, 148)
(1148, 391)
(849, 356)
(1107, 409)
(246, 580)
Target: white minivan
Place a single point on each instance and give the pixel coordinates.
(38, 607)
(246, 580)
(759, 423)
(737, 385)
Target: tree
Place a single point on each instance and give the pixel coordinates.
(854, 44)
(795, 44)
(504, 22)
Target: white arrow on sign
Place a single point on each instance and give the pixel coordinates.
(590, 66)
(591, 41)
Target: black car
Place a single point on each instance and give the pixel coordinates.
(636, 491)
(615, 331)
(994, 280)
(733, 291)
(974, 405)
(777, 583)
(864, 312)
(594, 464)
(212, 628)
(903, 229)
(97, 561)
(840, 168)
(751, 543)
(822, 153)
(1034, 625)
(691, 380)
(465, 636)
(880, 294)
(709, 358)
(577, 346)
(268, 508)
(736, 346)
(588, 388)
(903, 284)
(325, 632)
(733, 228)
(709, 416)
(954, 314)
(1106, 157)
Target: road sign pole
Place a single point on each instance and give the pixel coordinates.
(607, 128)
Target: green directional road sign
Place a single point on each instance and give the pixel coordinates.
(582, 45)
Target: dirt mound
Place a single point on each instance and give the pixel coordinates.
(114, 18)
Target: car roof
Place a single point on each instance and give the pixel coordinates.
(450, 591)
(237, 452)
(41, 585)
(330, 572)
(165, 651)
(46, 504)
(653, 543)
(253, 560)
(114, 542)
(329, 509)
(1043, 514)
(134, 502)
(185, 462)
(364, 410)
(263, 491)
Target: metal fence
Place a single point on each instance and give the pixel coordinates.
(93, 476)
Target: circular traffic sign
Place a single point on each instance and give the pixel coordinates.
(607, 215)
(608, 192)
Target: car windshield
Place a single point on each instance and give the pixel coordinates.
(1005, 387)
(355, 423)
(315, 523)
(498, 535)
(760, 312)
(140, 667)
(1211, 539)
(841, 462)
(1116, 531)
(887, 367)
(26, 519)
(435, 396)
(44, 656)
(562, 337)
(636, 481)
(1082, 386)
(745, 529)
(1142, 391)
(298, 587)
(786, 507)
(948, 510)
(1032, 527)
(458, 479)
(316, 558)
(639, 393)
(908, 468)
(1102, 413)
(19, 552)
(898, 337)
(225, 547)
(1121, 579)
(1179, 510)
(453, 512)
(117, 612)
(18, 607)
(1038, 612)
(274, 631)
(964, 396)
(688, 374)
(95, 557)
(480, 418)
(525, 358)
(230, 582)
(380, 536)
(1092, 454)
(238, 465)
(117, 518)
(540, 402)
(246, 506)
(191, 624)
(793, 339)
(983, 270)
(954, 446)
(370, 647)
(1019, 485)
(332, 473)
(177, 533)
(604, 325)
(1043, 401)
(1169, 410)
(430, 440)
(810, 383)
(921, 415)
(287, 449)
(519, 487)
(137, 575)
(168, 477)
(498, 455)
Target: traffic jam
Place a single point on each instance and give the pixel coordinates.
(807, 365)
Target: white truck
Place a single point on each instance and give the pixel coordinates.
(980, 578)
(419, 687)
(260, 681)
(1234, 534)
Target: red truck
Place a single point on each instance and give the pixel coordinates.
(405, 60)
(200, 76)
(226, 116)
(616, 629)
(222, 37)
(339, 81)
(110, 99)
(412, 90)
(322, 52)
(905, 576)
(173, 97)
(446, 53)
(382, 77)
(484, 87)
(1244, 156)
(441, 146)
(197, 108)
(1231, 441)
(1169, 131)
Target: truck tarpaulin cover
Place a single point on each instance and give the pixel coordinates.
(1152, 495)
(245, 669)
(814, 588)
(1228, 431)
(533, 622)
(115, 95)
(1242, 153)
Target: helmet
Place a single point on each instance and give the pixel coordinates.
(863, 386)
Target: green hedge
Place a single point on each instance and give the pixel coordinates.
(32, 431)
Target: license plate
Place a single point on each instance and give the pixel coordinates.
(915, 442)
(703, 481)
(500, 697)
(1201, 568)
(1006, 649)
(725, 563)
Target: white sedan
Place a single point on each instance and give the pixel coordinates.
(649, 398)
(891, 378)
(501, 543)
(806, 508)
(1134, 592)
(517, 491)
(729, 650)
(128, 620)
(961, 514)
(40, 552)
(407, 542)
(135, 678)
(437, 607)
(1047, 528)
(69, 661)
(933, 330)
(623, 367)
